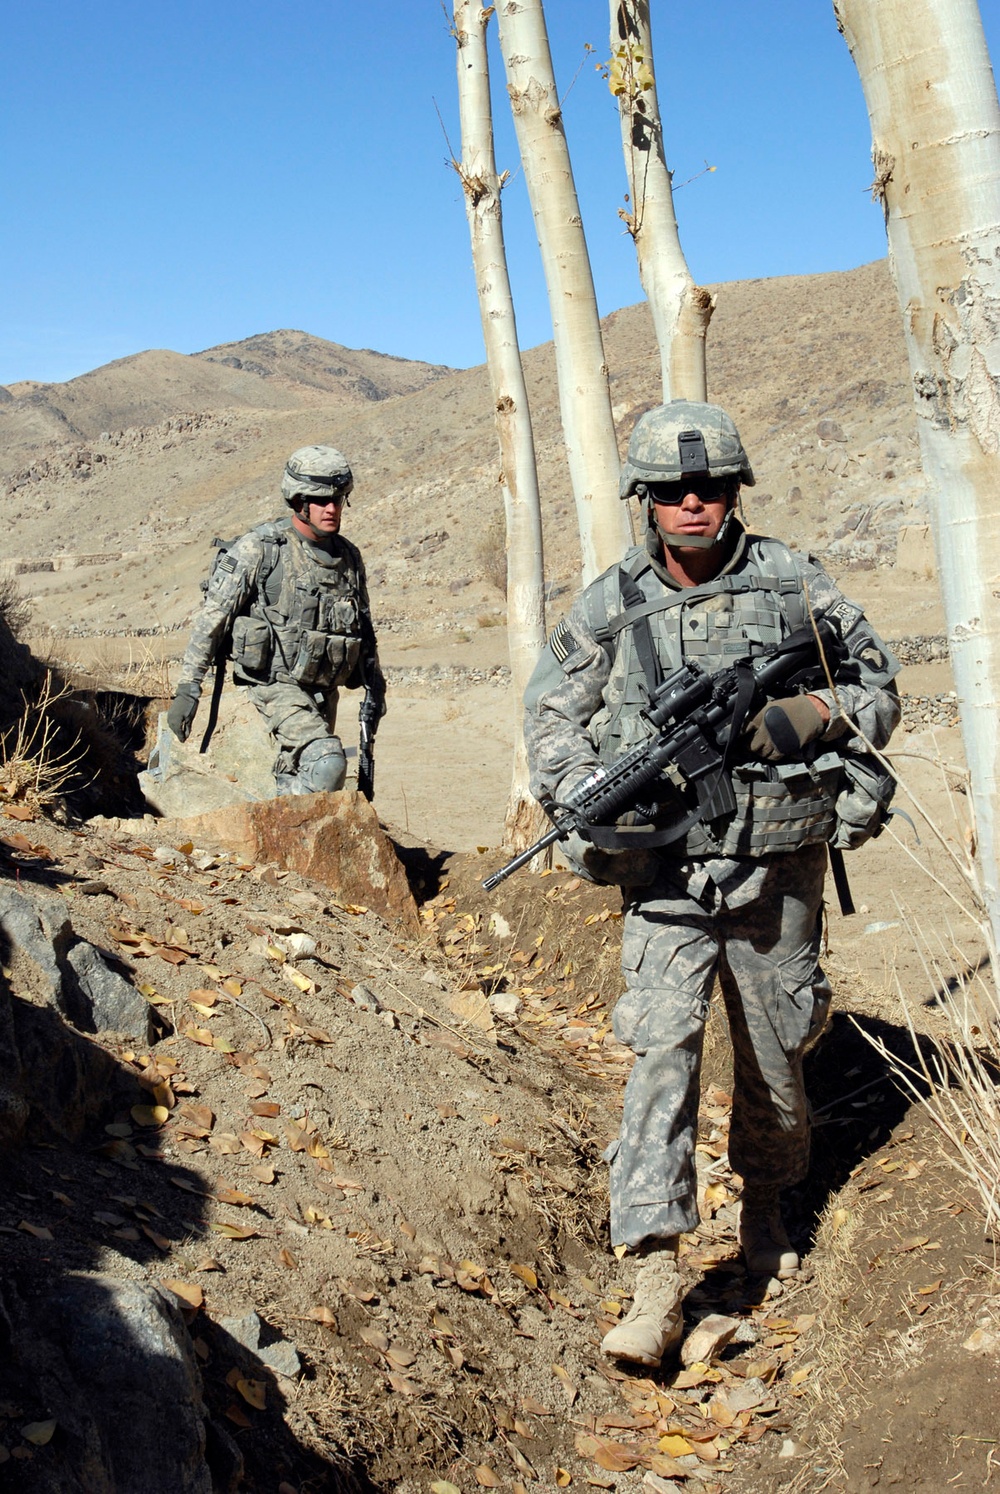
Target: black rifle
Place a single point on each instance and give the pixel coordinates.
(695, 717)
(371, 712)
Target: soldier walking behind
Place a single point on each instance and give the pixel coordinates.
(739, 898)
(291, 600)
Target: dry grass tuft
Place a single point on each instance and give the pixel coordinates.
(15, 608)
(142, 673)
(37, 765)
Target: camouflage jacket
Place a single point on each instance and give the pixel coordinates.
(583, 705)
(286, 611)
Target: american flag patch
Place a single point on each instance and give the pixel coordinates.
(561, 641)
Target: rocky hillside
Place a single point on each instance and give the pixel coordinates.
(178, 449)
(273, 371)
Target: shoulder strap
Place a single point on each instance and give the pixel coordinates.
(777, 558)
(603, 598)
(786, 581)
(272, 538)
(642, 635)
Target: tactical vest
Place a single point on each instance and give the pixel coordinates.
(648, 630)
(303, 625)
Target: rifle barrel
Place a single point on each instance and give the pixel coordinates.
(548, 839)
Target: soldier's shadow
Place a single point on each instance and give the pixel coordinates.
(857, 1103)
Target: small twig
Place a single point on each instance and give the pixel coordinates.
(421, 1011)
(250, 1013)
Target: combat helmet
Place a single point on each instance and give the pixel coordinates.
(683, 439)
(317, 473)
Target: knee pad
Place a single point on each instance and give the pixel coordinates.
(322, 766)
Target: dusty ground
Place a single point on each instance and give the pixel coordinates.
(413, 1200)
(416, 1203)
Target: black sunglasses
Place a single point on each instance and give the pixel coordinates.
(708, 489)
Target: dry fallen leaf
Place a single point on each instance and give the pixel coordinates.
(38, 1230)
(150, 1115)
(322, 1314)
(403, 1385)
(39, 1433)
(486, 1477)
(675, 1446)
(442, 1486)
(297, 979)
(525, 1274)
(234, 1196)
(188, 1291)
(254, 1392)
(233, 1231)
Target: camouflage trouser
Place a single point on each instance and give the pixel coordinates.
(298, 720)
(756, 924)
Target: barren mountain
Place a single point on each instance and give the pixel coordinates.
(273, 371)
(180, 448)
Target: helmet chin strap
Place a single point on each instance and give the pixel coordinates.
(303, 513)
(691, 541)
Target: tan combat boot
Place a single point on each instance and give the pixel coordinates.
(767, 1249)
(655, 1324)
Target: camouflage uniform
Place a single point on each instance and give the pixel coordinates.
(741, 900)
(301, 629)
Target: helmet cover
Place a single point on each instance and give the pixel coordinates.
(683, 437)
(316, 472)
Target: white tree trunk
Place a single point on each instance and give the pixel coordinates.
(932, 101)
(525, 576)
(581, 370)
(680, 309)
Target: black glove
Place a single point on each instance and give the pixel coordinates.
(784, 727)
(182, 710)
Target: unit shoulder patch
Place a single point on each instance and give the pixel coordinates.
(845, 614)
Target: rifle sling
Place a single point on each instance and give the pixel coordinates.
(213, 710)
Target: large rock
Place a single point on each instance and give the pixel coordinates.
(46, 1068)
(107, 1001)
(113, 1364)
(334, 838)
(236, 769)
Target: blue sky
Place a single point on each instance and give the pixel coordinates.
(182, 174)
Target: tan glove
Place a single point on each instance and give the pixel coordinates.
(784, 727)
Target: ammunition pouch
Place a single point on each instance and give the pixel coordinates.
(863, 802)
(252, 645)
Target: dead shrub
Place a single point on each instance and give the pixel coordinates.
(15, 607)
(37, 763)
(491, 555)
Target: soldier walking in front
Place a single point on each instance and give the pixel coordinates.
(738, 898)
(290, 599)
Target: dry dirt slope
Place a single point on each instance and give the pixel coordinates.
(405, 1186)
